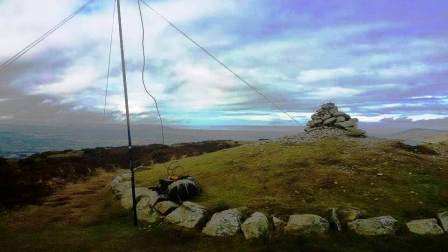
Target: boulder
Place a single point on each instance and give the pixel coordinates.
(187, 215)
(333, 110)
(307, 224)
(341, 114)
(145, 213)
(346, 215)
(120, 188)
(126, 198)
(424, 227)
(355, 132)
(165, 207)
(328, 106)
(256, 226)
(154, 197)
(347, 124)
(314, 123)
(325, 117)
(330, 121)
(121, 182)
(279, 225)
(225, 223)
(443, 218)
(383, 225)
(340, 119)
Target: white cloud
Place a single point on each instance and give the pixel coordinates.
(267, 117)
(393, 105)
(428, 97)
(376, 118)
(333, 92)
(77, 79)
(314, 75)
(426, 117)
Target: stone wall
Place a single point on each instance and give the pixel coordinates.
(153, 208)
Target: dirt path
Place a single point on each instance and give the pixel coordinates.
(76, 203)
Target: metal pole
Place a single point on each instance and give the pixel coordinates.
(123, 69)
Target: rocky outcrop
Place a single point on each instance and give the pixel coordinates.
(225, 223)
(328, 116)
(187, 215)
(424, 227)
(307, 224)
(256, 226)
(384, 225)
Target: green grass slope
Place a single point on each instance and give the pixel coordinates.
(279, 178)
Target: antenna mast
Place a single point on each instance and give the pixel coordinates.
(125, 86)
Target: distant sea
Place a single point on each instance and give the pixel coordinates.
(19, 141)
(19, 145)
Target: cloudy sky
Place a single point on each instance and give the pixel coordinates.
(378, 60)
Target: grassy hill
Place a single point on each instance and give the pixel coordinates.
(378, 176)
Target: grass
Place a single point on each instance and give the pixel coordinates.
(281, 178)
(276, 178)
(112, 231)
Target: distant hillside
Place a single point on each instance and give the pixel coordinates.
(422, 135)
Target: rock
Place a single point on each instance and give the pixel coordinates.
(126, 198)
(307, 224)
(225, 223)
(346, 215)
(443, 218)
(330, 121)
(145, 213)
(412, 144)
(325, 117)
(187, 215)
(333, 111)
(384, 225)
(256, 226)
(279, 225)
(424, 227)
(347, 124)
(340, 119)
(328, 106)
(120, 188)
(328, 117)
(165, 207)
(335, 219)
(341, 114)
(154, 197)
(355, 132)
(314, 123)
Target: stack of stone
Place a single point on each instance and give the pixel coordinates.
(329, 117)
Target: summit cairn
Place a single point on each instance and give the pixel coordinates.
(328, 120)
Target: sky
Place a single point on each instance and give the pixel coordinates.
(380, 61)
